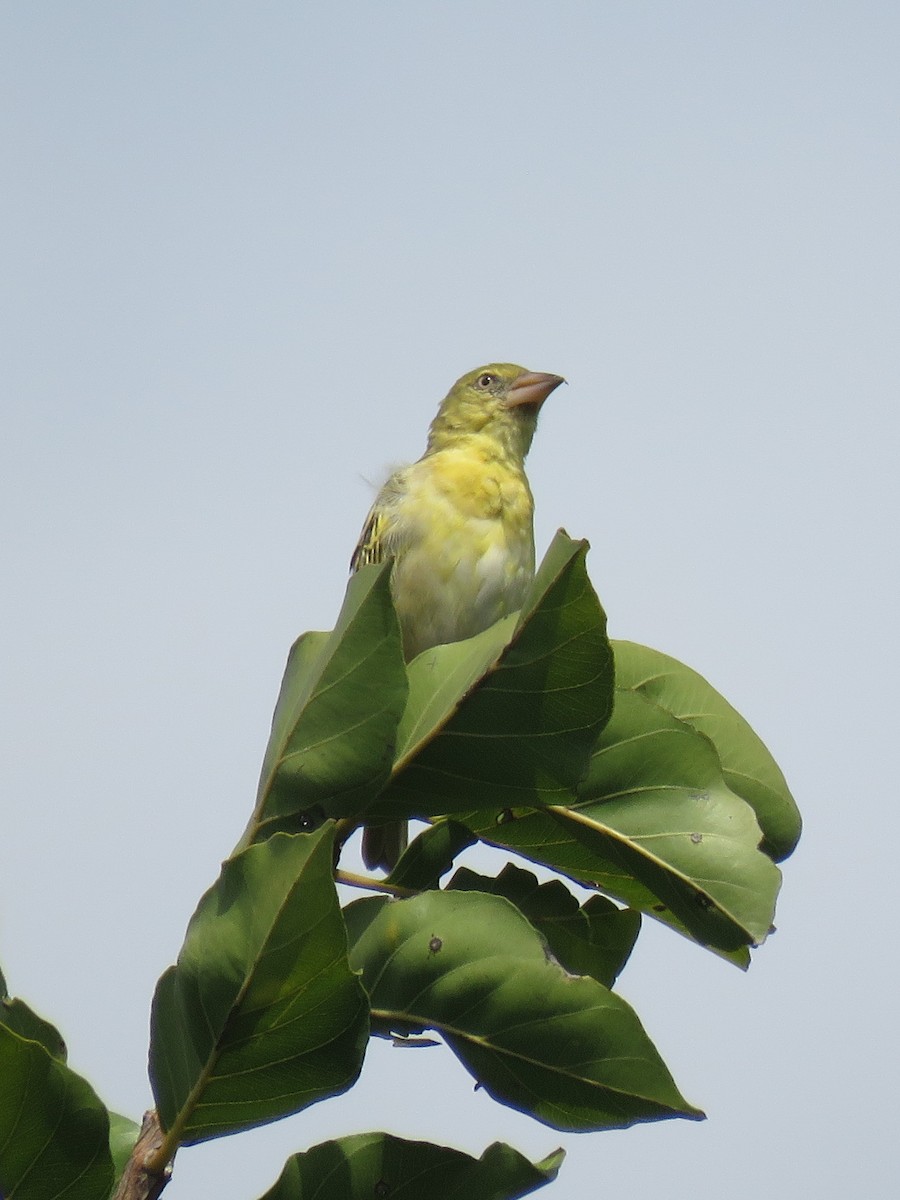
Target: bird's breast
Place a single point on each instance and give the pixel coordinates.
(467, 554)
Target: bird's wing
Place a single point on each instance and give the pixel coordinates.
(394, 524)
(386, 530)
(370, 547)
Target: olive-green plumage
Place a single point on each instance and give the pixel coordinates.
(459, 525)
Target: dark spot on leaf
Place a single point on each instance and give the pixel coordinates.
(696, 838)
(311, 818)
(659, 908)
(703, 901)
(434, 945)
(505, 816)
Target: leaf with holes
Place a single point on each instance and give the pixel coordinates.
(656, 826)
(561, 1048)
(747, 766)
(594, 938)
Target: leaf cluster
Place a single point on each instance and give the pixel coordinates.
(632, 786)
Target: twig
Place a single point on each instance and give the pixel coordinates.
(140, 1182)
(374, 885)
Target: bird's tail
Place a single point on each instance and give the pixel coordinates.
(382, 845)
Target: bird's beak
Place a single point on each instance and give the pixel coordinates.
(532, 387)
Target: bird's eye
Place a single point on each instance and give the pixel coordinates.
(485, 380)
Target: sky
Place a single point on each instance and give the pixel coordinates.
(246, 249)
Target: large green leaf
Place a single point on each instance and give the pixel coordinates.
(54, 1132)
(335, 723)
(369, 1165)
(595, 938)
(430, 855)
(559, 1047)
(262, 1015)
(657, 827)
(123, 1134)
(748, 767)
(510, 716)
(16, 1015)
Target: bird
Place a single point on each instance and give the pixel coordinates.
(459, 525)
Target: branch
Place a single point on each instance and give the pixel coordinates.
(141, 1181)
(375, 885)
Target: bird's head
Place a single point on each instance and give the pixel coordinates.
(501, 401)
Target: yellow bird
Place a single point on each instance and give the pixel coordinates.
(459, 526)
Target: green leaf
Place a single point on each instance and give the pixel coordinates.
(123, 1134)
(54, 1132)
(369, 1165)
(335, 723)
(657, 827)
(593, 939)
(509, 716)
(262, 1015)
(562, 1048)
(430, 855)
(16, 1015)
(748, 767)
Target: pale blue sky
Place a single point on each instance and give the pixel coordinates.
(246, 248)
